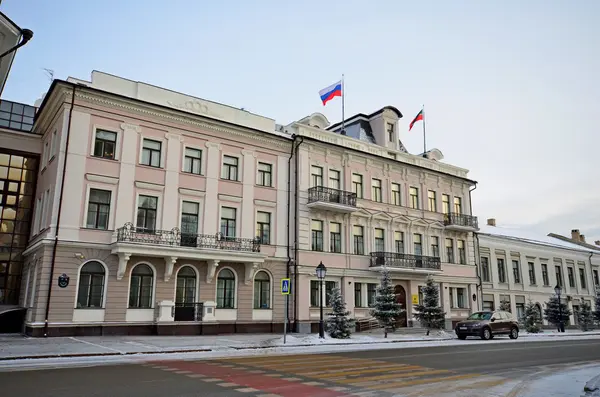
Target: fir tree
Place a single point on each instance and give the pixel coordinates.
(597, 308)
(505, 306)
(553, 310)
(385, 308)
(532, 318)
(339, 323)
(429, 313)
(585, 317)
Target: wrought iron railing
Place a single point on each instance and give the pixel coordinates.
(453, 218)
(330, 195)
(188, 311)
(408, 261)
(131, 234)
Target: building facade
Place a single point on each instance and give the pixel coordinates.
(518, 266)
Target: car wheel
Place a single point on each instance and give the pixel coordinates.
(514, 333)
(461, 337)
(486, 334)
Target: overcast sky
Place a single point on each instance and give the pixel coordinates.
(510, 88)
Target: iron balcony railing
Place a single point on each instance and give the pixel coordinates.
(131, 234)
(330, 195)
(188, 311)
(455, 219)
(405, 261)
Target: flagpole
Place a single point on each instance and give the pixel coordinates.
(424, 136)
(343, 96)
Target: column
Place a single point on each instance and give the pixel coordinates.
(170, 215)
(248, 182)
(126, 191)
(211, 202)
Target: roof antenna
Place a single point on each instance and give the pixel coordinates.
(49, 74)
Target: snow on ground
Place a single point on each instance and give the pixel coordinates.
(567, 383)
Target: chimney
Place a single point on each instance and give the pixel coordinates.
(582, 238)
(597, 242)
(491, 222)
(575, 235)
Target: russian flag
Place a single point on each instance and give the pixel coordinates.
(331, 92)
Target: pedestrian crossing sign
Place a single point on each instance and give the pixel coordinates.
(285, 286)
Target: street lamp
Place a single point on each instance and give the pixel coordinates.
(321, 273)
(558, 291)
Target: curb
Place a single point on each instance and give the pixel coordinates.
(592, 384)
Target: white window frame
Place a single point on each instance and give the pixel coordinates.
(200, 203)
(153, 300)
(238, 224)
(235, 293)
(203, 156)
(117, 131)
(273, 176)
(105, 287)
(197, 297)
(271, 224)
(163, 150)
(154, 193)
(113, 197)
(240, 166)
(271, 295)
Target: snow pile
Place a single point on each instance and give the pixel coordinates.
(566, 383)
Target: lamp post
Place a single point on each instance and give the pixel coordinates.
(558, 291)
(321, 273)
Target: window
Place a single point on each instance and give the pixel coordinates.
(226, 289)
(520, 311)
(532, 279)
(450, 250)
(317, 235)
(265, 174)
(189, 223)
(457, 205)
(192, 162)
(358, 295)
(263, 227)
(228, 222)
(315, 293)
(571, 276)
(462, 255)
(396, 194)
(329, 286)
(371, 293)
(357, 185)
(431, 201)
(262, 290)
(359, 240)
(545, 277)
(452, 304)
(390, 131)
(53, 144)
(316, 176)
(141, 285)
(91, 285)
(516, 272)
(334, 179)
(435, 246)
(558, 273)
(418, 244)
(335, 237)
(420, 295)
(146, 213)
(596, 279)
(98, 209)
(414, 197)
(105, 144)
(485, 269)
(445, 203)
(376, 186)
(151, 152)
(399, 242)
(460, 298)
(501, 271)
(185, 291)
(582, 279)
(230, 168)
(379, 240)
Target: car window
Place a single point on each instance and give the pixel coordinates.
(480, 316)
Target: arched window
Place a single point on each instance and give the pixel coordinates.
(91, 285)
(262, 290)
(140, 290)
(226, 290)
(186, 285)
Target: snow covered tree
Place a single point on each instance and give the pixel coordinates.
(339, 323)
(505, 306)
(429, 313)
(532, 318)
(385, 308)
(585, 317)
(553, 310)
(597, 308)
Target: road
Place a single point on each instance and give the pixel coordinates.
(496, 369)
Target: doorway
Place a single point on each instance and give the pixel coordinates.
(401, 321)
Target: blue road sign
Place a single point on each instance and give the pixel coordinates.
(285, 286)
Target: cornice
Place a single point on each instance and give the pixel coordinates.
(56, 101)
(146, 110)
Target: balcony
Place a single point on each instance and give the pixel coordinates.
(328, 199)
(397, 261)
(461, 222)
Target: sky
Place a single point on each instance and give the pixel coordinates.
(510, 88)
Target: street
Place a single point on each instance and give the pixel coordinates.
(494, 369)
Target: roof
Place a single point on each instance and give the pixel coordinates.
(529, 236)
(348, 120)
(579, 243)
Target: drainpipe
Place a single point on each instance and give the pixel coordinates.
(296, 215)
(60, 202)
(289, 194)
(477, 256)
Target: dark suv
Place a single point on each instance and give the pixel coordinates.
(488, 324)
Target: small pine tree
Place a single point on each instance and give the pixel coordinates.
(385, 308)
(532, 318)
(597, 308)
(585, 317)
(553, 310)
(430, 314)
(339, 323)
(505, 306)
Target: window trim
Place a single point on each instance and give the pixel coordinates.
(271, 226)
(238, 223)
(235, 288)
(202, 159)
(273, 176)
(159, 201)
(197, 297)
(271, 289)
(117, 131)
(111, 214)
(240, 166)
(191, 199)
(152, 302)
(105, 288)
(163, 151)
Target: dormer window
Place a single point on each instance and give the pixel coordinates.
(390, 131)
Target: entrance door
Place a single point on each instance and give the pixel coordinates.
(401, 321)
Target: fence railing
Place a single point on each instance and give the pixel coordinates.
(453, 218)
(408, 261)
(330, 195)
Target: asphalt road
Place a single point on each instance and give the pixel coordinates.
(486, 369)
